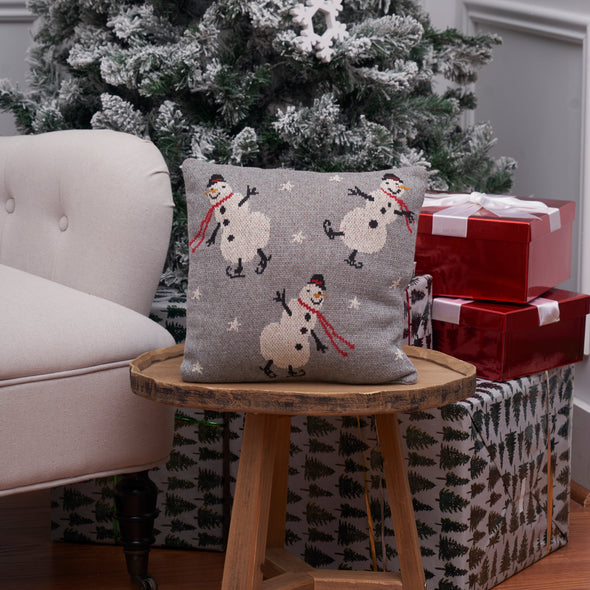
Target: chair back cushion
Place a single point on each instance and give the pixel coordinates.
(91, 209)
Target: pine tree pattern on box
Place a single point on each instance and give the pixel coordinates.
(478, 474)
(169, 310)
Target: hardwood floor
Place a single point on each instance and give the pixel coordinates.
(30, 561)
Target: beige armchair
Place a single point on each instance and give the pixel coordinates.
(85, 220)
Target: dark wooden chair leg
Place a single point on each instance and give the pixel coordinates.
(135, 501)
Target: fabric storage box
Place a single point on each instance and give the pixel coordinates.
(169, 310)
(487, 248)
(196, 485)
(490, 480)
(507, 340)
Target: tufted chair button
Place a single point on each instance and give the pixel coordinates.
(63, 223)
(10, 205)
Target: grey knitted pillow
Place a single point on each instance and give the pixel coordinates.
(298, 275)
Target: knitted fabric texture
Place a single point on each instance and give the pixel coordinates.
(299, 275)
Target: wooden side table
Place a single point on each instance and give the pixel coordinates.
(255, 554)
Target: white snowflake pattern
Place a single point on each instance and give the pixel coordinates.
(197, 367)
(354, 303)
(336, 178)
(399, 355)
(234, 325)
(196, 294)
(298, 238)
(395, 284)
(287, 186)
(309, 40)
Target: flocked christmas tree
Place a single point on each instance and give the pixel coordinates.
(329, 85)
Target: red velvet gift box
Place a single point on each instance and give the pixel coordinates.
(515, 250)
(509, 340)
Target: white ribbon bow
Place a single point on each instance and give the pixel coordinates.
(452, 221)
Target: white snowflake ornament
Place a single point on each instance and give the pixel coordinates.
(309, 40)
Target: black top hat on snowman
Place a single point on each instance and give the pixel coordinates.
(215, 178)
(319, 281)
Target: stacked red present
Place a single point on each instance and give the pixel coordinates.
(495, 263)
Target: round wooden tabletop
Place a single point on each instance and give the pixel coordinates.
(442, 379)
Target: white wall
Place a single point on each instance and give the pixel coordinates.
(15, 38)
(443, 13)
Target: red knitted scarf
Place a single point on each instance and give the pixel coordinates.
(205, 223)
(402, 205)
(328, 328)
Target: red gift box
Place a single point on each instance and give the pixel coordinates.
(504, 253)
(508, 340)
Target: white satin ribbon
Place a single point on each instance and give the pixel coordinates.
(452, 221)
(548, 310)
(448, 310)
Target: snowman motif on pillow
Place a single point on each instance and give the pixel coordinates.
(364, 229)
(243, 233)
(287, 343)
(280, 290)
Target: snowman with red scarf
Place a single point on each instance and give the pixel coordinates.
(244, 233)
(286, 344)
(364, 229)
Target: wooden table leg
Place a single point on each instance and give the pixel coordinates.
(400, 502)
(257, 527)
(278, 501)
(246, 544)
